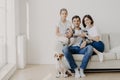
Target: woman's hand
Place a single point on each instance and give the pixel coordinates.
(97, 38)
(83, 44)
(83, 34)
(89, 37)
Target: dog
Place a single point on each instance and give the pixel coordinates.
(62, 70)
(86, 37)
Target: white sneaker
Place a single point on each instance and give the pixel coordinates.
(77, 74)
(100, 55)
(82, 73)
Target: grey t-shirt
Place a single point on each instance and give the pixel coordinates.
(78, 40)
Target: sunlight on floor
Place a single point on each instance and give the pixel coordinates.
(48, 72)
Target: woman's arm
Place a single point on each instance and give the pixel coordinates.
(97, 38)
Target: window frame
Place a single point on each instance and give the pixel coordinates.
(10, 67)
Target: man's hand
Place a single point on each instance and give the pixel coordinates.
(84, 34)
(83, 44)
(74, 35)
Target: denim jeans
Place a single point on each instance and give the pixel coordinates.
(98, 45)
(86, 51)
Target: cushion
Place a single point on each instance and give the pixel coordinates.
(106, 40)
(114, 40)
(109, 56)
(117, 51)
(94, 58)
(106, 56)
(78, 57)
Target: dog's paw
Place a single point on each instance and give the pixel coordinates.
(65, 75)
(57, 76)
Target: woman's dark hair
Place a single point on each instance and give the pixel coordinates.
(76, 16)
(83, 20)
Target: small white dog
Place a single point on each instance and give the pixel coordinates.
(62, 70)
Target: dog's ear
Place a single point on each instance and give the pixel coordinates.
(55, 55)
(61, 55)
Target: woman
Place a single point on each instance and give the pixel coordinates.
(93, 36)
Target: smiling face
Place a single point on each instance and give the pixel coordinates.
(76, 22)
(87, 21)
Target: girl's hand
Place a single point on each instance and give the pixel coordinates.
(83, 44)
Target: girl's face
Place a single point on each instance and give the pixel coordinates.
(87, 21)
(63, 14)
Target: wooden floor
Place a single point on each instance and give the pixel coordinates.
(47, 72)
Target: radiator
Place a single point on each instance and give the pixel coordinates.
(21, 51)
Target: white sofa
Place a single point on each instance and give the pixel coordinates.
(111, 56)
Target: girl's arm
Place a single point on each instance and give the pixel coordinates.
(58, 32)
(71, 30)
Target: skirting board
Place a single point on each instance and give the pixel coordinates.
(102, 70)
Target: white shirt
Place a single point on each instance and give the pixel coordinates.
(93, 32)
(63, 26)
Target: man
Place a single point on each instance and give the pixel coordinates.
(79, 47)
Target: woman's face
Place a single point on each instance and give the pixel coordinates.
(87, 21)
(63, 14)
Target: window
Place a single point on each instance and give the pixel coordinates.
(2, 33)
(7, 39)
(27, 14)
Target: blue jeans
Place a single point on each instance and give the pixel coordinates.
(87, 52)
(98, 46)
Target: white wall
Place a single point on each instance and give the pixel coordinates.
(20, 17)
(45, 13)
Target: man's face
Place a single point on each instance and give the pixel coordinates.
(76, 22)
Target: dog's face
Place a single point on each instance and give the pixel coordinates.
(58, 57)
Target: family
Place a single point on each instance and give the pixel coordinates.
(76, 40)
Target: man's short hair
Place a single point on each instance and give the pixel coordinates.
(76, 16)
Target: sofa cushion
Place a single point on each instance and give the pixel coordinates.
(107, 56)
(78, 57)
(114, 40)
(117, 51)
(110, 56)
(106, 40)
